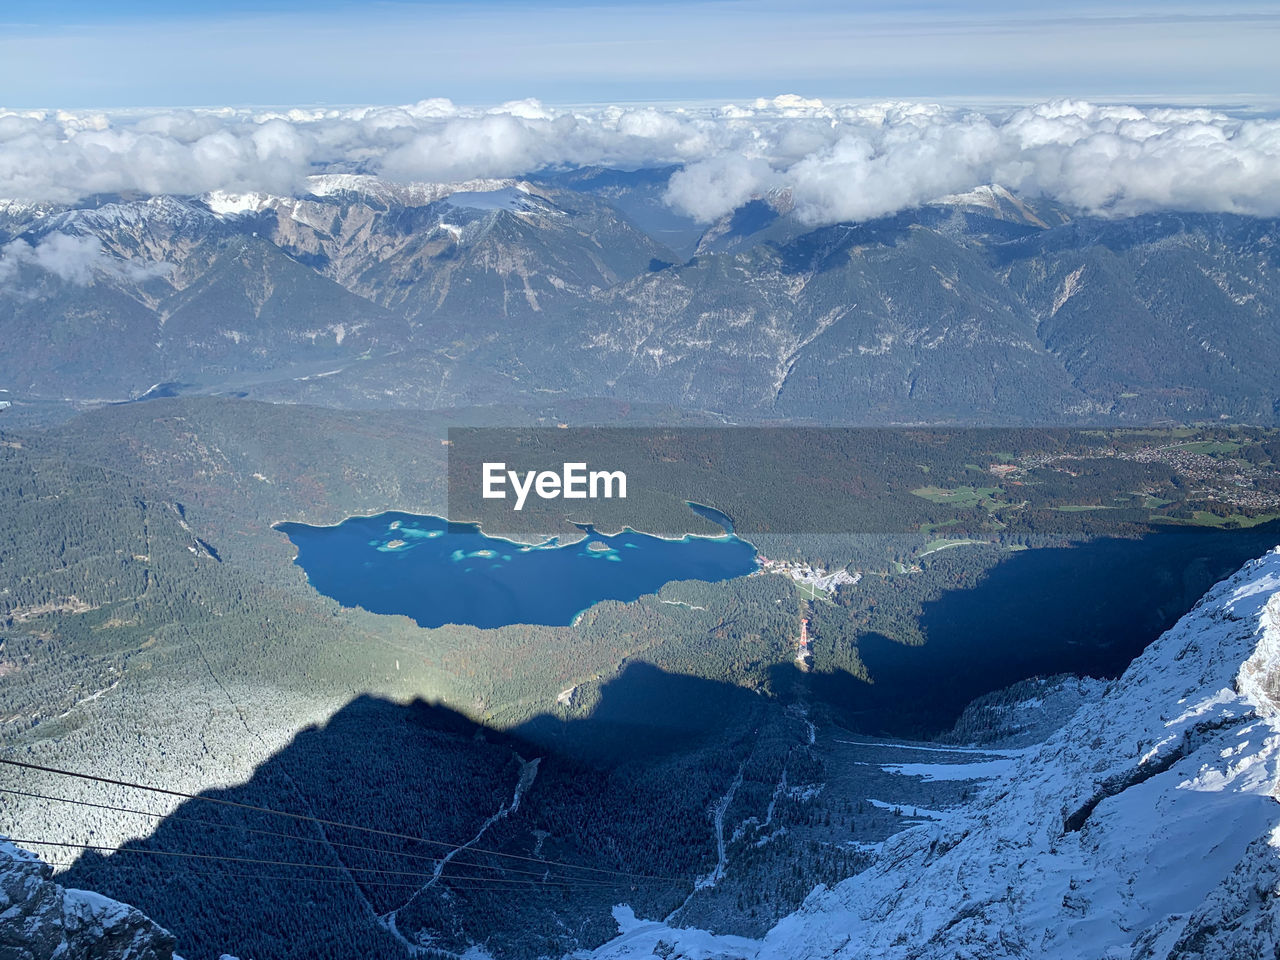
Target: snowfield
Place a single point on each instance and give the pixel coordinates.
(1146, 827)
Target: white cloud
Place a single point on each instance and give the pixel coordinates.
(710, 188)
(1113, 161)
(72, 259)
(839, 161)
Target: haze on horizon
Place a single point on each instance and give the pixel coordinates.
(142, 53)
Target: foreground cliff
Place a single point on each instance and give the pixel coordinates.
(1146, 827)
(40, 919)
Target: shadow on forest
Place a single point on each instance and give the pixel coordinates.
(626, 789)
(1121, 236)
(826, 248)
(1087, 609)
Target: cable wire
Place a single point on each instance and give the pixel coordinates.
(285, 836)
(329, 823)
(451, 883)
(24, 841)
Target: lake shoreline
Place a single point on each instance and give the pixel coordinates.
(437, 571)
(585, 528)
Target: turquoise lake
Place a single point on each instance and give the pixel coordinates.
(439, 572)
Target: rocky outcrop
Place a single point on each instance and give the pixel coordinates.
(40, 919)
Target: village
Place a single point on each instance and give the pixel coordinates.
(808, 574)
(1232, 481)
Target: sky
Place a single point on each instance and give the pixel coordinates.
(144, 53)
(852, 110)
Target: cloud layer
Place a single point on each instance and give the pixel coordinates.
(838, 161)
(72, 259)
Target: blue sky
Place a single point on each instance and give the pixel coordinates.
(148, 53)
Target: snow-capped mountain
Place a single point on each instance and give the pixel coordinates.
(1146, 827)
(39, 918)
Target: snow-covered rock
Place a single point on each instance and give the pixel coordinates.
(40, 919)
(1146, 827)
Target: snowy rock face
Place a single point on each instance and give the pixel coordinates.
(40, 919)
(1146, 828)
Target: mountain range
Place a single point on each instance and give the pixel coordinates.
(986, 307)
